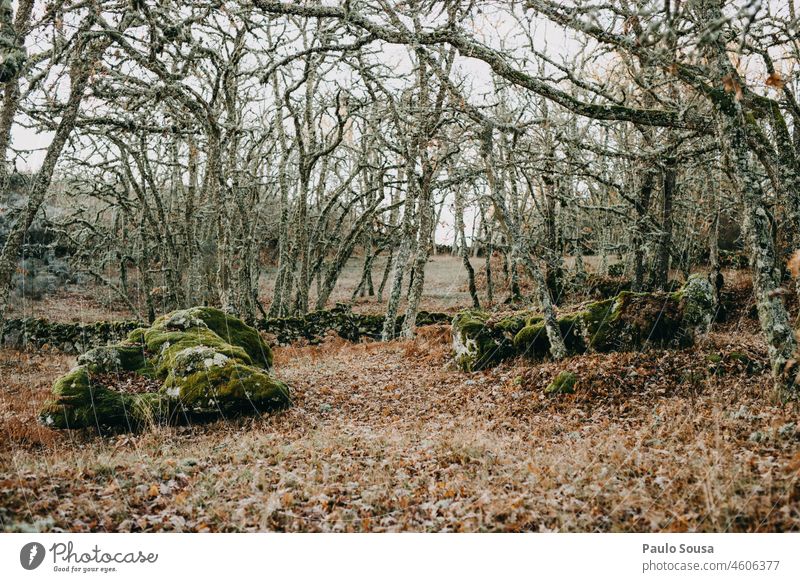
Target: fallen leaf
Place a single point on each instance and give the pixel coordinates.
(774, 80)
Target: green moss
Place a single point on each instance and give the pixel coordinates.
(571, 327)
(210, 362)
(563, 383)
(477, 343)
(235, 332)
(231, 387)
(596, 320)
(195, 338)
(72, 386)
(471, 321)
(629, 321)
(78, 402)
(532, 341)
(136, 336)
(512, 324)
(697, 303)
(632, 321)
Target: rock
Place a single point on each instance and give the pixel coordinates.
(697, 299)
(479, 342)
(206, 362)
(68, 337)
(563, 383)
(629, 321)
(348, 325)
(79, 402)
(602, 286)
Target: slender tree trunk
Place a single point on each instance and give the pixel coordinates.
(426, 226)
(386, 270)
(460, 242)
(775, 325)
(662, 256)
(640, 229)
(715, 275)
(732, 128)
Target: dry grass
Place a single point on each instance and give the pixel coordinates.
(388, 437)
(445, 285)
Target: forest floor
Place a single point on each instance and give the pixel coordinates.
(391, 437)
(388, 437)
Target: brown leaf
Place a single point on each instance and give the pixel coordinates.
(794, 264)
(774, 80)
(731, 85)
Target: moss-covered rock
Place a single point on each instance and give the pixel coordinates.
(479, 341)
(697, 302)
(79, 401)
(628, 321)
(563, 383)
(632, 321)
(207, 363)
(116, 358)
(227, 387)
(205, 321)
(532, 341)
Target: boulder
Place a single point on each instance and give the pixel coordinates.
(629, 321)
(197, 362)
(481, 341)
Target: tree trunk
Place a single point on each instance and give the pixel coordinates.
(460, 242)
(520, 248)
(639, 229)
(662, 255)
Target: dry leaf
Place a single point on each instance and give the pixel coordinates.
(732, 85)
(794, 264)
(775, 80)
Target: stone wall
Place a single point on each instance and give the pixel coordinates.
(76, 338)
(70, 338)
(348, 325)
